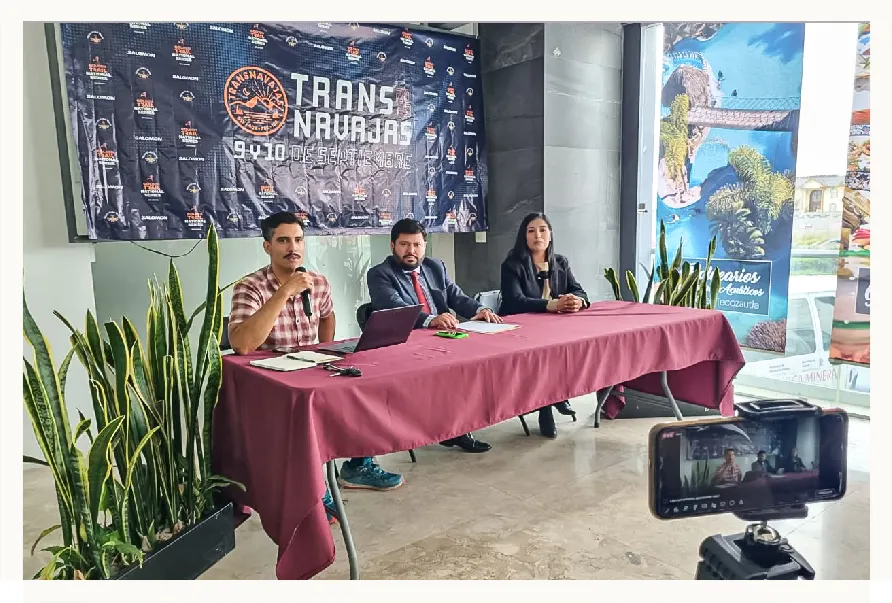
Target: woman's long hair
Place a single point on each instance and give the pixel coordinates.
(521, 251)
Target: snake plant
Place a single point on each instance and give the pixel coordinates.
(680, 283)
(147, 474)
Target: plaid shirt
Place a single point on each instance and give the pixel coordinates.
(727, 473)
(293, 328)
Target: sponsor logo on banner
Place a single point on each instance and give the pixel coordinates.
(407, 61)
(383, 32)
(469, 174)
(147, 138)
(429, 70)
(151, 188)
(145, 105)
(195, 219)
(150, 157)
(105, 156)
(472, 76)
(233, 218)
(267, 191)
(182, 53)
(450, 111)
(98, 71)
(139, 28)
(103, 124)
(469, 54)
(105, 97)
(469, 115)
(469, 152)
(451, 195)
(95, 37)
(450, 92)
(359, 193)
(182, 26)
(232, 189)
(450, 155)
(255, 101)
(353, 54)
(406, 38)
(382, 56)
(257, 37)
(430, 133)
(431, 107)
(450, 70)
(140, 53)
(291, 41)
(227, 30)
(112, 217)
(193, 188)
(451, 125)
(325, 26)
(429, 43)
(301, 191)
(450, 48)
(431, 195)
(143, 73)
(470, 91)
(187, 96)
(189, 135)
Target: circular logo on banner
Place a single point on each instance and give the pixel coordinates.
(255, 100)
(382, 57)
(143, 73)
(95, 37)
(291, 41)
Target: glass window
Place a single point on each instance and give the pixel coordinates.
(825, 317)
(815, 200)
(800, 328)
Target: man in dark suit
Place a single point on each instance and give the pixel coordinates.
(408, 278)
(761, 464)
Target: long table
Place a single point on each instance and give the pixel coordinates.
(274, 431)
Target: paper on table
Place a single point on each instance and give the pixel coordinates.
(479, 326)
(314, 357)
(282, 363)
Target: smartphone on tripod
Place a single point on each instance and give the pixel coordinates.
(764, 464)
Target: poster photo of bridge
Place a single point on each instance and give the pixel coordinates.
(729, 120)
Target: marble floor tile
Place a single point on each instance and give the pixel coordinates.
(571, 508)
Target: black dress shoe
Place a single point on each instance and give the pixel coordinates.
(565, 409)
(546, 423)
(467, 443)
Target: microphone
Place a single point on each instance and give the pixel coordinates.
(305, 296)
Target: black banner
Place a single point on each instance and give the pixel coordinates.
(351, 126)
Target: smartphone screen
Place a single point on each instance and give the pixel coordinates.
(739, 465)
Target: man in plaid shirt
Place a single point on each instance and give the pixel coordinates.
(728, 472)
(267, 314)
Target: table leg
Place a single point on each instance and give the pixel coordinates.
(602, 398)
(664, 381)
(342, 519)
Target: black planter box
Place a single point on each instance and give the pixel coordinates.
(190, 553)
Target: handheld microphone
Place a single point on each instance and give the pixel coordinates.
(305, 296)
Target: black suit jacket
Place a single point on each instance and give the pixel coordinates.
(521, 291)
(390, 287)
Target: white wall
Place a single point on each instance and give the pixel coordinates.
(57, 274)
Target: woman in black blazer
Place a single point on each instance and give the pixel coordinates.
(535, 279)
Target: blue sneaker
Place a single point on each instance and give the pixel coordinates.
(328, 503)
(368, 476)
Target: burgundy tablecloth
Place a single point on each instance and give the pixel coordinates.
(273, 431)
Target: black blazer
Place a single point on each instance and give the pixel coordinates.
(389, 287)
(521, 291)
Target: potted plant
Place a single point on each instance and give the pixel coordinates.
(140, 504)
(680, 284)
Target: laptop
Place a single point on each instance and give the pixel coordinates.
(383, 328)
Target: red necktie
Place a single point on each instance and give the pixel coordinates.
(420, 293)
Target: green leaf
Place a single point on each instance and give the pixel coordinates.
(43, 535)
(83, 426)
(35, 461)
(714, 289)
(100, 464)
(664, 256)
(211, 395)
(610, 275)
(632, 285)
(650, 284)
(63, 369)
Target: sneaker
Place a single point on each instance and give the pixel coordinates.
(368, 476)
(328, 502)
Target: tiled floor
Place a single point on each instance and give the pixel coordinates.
(532, 508)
